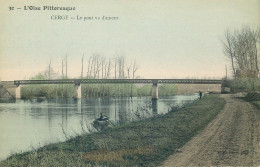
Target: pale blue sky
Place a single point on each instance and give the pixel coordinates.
(168, 39)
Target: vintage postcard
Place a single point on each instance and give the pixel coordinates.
(129, 83)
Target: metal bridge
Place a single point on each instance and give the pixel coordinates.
(79, 82)
(123, 81)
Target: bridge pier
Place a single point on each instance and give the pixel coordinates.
(155, 94)
(225, 86)
(18, 92)
(225, 89)
(77, 91)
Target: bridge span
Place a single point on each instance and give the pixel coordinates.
(78, 82)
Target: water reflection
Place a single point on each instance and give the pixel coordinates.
(155, 106)
(33, 123)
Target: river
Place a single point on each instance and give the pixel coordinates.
(30, 124)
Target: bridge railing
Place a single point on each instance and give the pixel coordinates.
(100, 81)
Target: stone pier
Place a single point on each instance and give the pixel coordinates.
(77, 91)
(18, 92)
(225, 90)
(155, 94)
(226, 86)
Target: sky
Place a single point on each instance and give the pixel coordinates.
(168, 39)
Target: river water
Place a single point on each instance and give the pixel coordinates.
(30, 124)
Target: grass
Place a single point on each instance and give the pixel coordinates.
(256, 104)
(254, 98)
(144, 143)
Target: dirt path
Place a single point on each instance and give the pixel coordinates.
(231, 139)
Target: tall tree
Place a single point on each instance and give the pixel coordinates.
(82, 62)
(49, 70)
(241, 48)
(66, 66)
(229, 50)
(135, 68)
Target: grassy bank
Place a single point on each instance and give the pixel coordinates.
(254, 98)
(256, 104)
(143, 143)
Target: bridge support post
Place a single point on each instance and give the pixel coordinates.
(155, 94)
(18, 92)
(225, 86)
(225, 89)
(77, 91)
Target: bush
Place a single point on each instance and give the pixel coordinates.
(253, 96)
(245, 85)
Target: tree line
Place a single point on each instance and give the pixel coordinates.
(97, 67)
(240, 46)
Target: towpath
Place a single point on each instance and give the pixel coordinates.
(231, 139)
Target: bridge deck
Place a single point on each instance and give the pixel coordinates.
(103, 81)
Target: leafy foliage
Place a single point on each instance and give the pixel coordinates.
(245, 85)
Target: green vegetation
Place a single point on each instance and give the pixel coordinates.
(123, 90)
(144, 143)
(168, 89)
(257, 104)
(245, 84)
(47, 91)
(254, 98)
(94, 90)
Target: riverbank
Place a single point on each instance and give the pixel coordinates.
(143, 143)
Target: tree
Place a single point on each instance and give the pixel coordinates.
(241, 49)
(135, 68)
(82, 61)
(66, 66)
(49, 73)
(229, 50)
